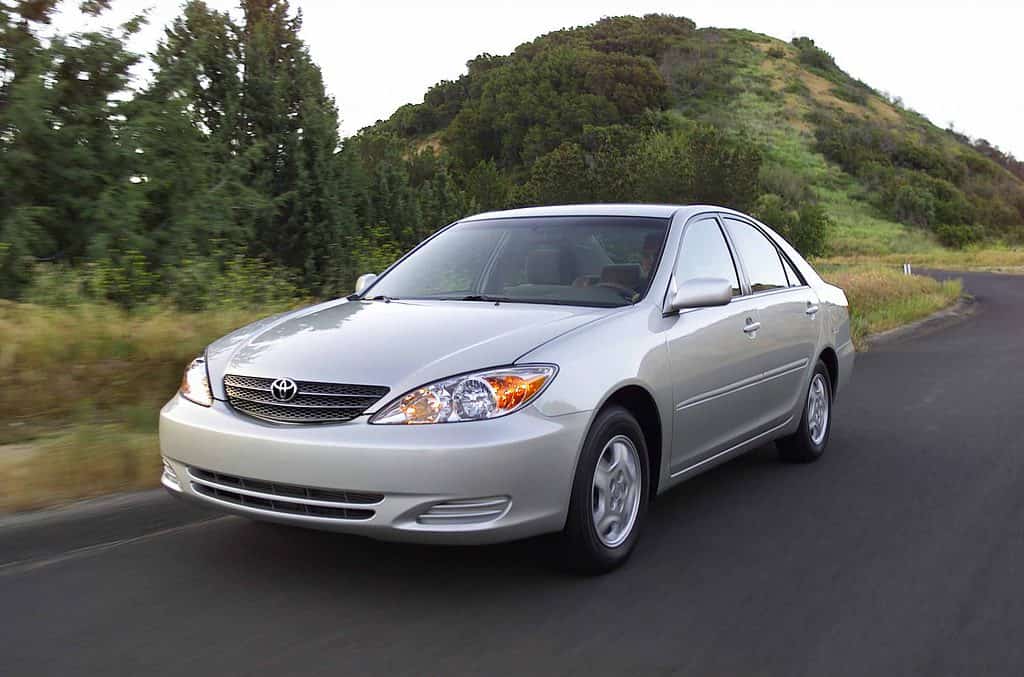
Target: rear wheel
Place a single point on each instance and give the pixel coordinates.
(809, 441)
(609, 495)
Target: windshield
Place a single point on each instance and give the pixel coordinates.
(590, 261)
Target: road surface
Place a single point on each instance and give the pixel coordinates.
(901, 552)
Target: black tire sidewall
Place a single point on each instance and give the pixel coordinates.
(586, 552)
(805, 428)
(798, 447)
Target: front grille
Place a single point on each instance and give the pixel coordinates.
(283, 498)
(314, 403)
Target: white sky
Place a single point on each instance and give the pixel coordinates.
(954, 62)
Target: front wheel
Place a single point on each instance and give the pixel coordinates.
(809, 441)
(609, 495)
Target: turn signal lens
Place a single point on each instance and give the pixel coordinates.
(512, 390)
(472, 397)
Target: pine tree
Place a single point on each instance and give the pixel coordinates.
(291, 125)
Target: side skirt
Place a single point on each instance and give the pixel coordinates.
(723, 456)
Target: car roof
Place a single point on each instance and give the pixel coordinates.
(625, 209)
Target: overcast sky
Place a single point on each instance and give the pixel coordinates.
(956, 62)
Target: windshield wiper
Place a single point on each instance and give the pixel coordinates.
(382, 297)
(484, 297)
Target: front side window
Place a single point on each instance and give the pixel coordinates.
(760, 257)
(590, 261)
(704, 253)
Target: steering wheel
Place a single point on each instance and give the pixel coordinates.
(624, 291)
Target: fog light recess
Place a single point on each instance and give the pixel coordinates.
(466, 511)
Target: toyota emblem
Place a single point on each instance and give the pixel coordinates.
(284, 389)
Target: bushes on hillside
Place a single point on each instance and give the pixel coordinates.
(554, 95)
(805, 226)
(957, 236)
(813, 56)
(923, 181)
(689, 163)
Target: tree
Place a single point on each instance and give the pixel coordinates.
(292, 124)
(60, 120)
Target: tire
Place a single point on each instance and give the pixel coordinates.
(808, 443)
(616, 444)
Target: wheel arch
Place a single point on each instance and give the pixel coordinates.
(831, 360)
(639, 402)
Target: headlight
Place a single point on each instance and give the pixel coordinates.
(471, 397)
(195, 386)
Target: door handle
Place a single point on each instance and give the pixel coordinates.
(812, 309)
(751, 327)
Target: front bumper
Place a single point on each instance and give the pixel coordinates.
(526, 458)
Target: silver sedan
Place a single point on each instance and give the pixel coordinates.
(518, 373)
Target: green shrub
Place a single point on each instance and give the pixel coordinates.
(56, 285)
(372, 251)
(957, 236)
(776, 52)
(851, 94)
(798, 87)
(805, 227)
(230, 280)
(122, 277)
(813, 56)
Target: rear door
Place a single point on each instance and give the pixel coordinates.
(712, 354)
(788, 311)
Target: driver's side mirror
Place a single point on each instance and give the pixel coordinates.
(700, 292)
(364, 281)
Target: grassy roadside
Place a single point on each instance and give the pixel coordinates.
(994, 260)
(882, 298)
(80, 388)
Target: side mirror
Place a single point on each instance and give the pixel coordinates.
(700, 292)
(364, 281)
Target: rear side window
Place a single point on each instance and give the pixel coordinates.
(704, 253)
(760, 257)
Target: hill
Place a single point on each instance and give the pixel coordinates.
(655, 109)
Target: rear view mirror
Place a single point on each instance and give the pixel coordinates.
(700, 292)
(364, 281)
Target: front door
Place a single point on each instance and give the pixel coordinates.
(713, 354)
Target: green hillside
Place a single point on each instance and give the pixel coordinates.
(654, 109)
(221, 179)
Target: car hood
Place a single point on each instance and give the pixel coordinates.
(398, 344)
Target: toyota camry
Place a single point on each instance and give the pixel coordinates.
(540, 370)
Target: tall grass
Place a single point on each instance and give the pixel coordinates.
(58, 364)
(883, 298)
(80, 388)
(992, 258)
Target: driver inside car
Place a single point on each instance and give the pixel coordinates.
(628, 277)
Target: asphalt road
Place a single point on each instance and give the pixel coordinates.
(901, 552)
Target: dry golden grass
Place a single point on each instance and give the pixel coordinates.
(884, 298)
(997, 260)
(82, 462)
(80, 389)
(55, 363)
